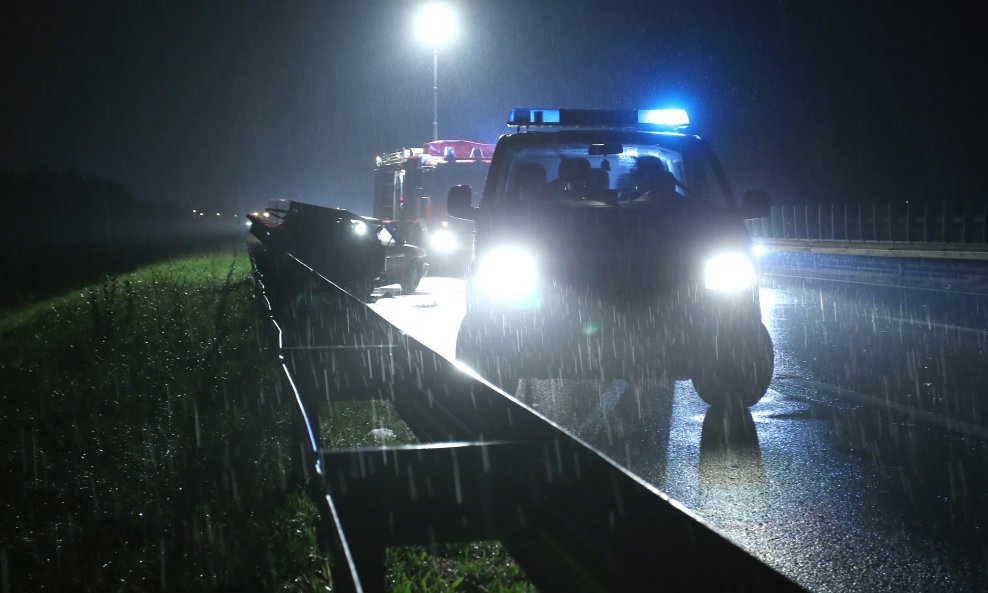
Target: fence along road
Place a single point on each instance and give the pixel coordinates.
(954, 231)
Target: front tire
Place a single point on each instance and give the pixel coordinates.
(735, 368)
(481, 347)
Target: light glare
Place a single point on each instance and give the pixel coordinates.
(674, 118)
(436, 23)
(729, 272)
(509, 275)
(443, 241)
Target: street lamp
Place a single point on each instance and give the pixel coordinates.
(436, 25)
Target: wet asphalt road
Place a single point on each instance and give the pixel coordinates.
(865, 466)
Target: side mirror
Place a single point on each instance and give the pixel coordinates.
(459, 202)
(755, 203)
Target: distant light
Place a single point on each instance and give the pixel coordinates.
(194, 210)
(249, 223)
(673, 118)
(267, 215)
(254, 214)
(436, 23)
(202, 214)
(217, 214)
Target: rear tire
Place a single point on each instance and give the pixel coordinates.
(737, 369)
(412, 277)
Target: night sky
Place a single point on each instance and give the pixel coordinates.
(228, 104)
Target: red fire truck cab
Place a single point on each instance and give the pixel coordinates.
(410, 187)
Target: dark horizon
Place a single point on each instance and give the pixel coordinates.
(227, 105)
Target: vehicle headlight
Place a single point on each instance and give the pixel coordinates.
(359, 226)
(509, 275)
(443, 241)
(729, 272)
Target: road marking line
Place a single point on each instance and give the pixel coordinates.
(950, 424)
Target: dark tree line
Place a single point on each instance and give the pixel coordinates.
(62, 228)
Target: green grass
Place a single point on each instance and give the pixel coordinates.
(145, 439)
(145, 446)
(478, 567)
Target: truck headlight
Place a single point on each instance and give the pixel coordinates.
(443, 241)
(509, 275)
(729, 272)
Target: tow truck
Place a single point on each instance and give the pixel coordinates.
(609, 244)
(410, 188)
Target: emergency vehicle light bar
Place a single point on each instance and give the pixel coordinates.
(668, 119)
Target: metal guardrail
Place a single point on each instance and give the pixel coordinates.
(488, 468)
(899, 222)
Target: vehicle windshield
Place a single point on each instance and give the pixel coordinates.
(621, 175)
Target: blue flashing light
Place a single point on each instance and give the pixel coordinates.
(672, 118)
(668, 119)
(524, 116)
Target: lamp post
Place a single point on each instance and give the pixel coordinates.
(435, 24)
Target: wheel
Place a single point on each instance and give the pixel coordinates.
(362, 290)
(412, 277)
(736, 368)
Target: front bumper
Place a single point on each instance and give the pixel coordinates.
(578, 334)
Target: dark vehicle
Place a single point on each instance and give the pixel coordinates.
(404, 263)
(356, 253)
(608, 243)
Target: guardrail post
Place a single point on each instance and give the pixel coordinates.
(846, 234)
(908, 223)
(888, 208)
(874, 221)
(984, 222)
(833, 225)
(943, 221)
(926, 221)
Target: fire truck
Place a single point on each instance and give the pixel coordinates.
(410, 188)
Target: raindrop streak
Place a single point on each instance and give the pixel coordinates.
(3, 571)
(161, 561)
(195, 415)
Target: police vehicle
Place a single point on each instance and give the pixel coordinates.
(609, 244)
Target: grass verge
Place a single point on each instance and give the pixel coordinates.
(145, 447)
(144, 442)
